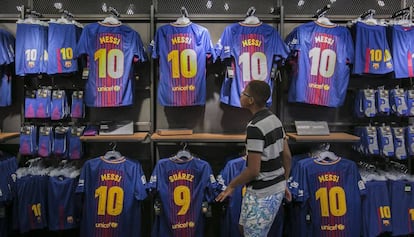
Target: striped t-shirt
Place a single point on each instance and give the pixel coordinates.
(265, 135)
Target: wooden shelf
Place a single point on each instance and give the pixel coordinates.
(200, 137)
(8, 135)
(136, 137)
(332, 137)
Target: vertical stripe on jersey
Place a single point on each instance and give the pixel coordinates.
(319, 92)
(59, 60)
(367, 60)
(410, 64)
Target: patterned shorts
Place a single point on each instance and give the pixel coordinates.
(257, 214)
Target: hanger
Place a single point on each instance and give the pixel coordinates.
(112, 19)
(183, 19)
(323, 153)
(251, 19)
(112, 154)
(182, 155)
(320, 16)
(368, 17)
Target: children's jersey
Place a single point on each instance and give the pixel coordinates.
(64, 207)
(402, 50)
(321, 57)
(376, 209)
(32, 202)
(253, 49)
(230, 219)
(372, 52)
(182, 187)
(7, 44)
(333, 190)
(112, 192)
(182, 51)
(111, 50)
(402, 207)
(31, 49)
(62, 40)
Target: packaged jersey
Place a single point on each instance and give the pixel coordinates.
(113, 190)
(321, 56)
(333, 190)
(372, 52)
(253, 49)
(111, 50)
(62, 40)
(182, 187)
(182, 51)
(7, 45)
(31, 49)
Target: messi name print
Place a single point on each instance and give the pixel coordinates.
(254, 48)
(321, 56)
(372, 52)
(182, 51)
(62, 40)
(111, 50)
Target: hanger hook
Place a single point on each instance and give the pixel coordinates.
(113, 144)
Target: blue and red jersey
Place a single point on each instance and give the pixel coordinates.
(182, 51)
(321, 56)
(111, 50)
(253, 50)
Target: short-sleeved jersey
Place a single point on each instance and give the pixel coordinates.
(182, 51)
(111, 50)
(32, 214)
(253, 50)
(376, 209)
(402, 207)
(31, 49)
(62, 41)
(63, 206)
(7, 44)
(372, 52)
(182, 187)
(113, 190)
(402, 50)
(230, 219)
(333, 190)
(321, 56)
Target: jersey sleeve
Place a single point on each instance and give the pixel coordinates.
(140, 183)
(212, 187)
(83, 43)
(223, 45)
(293, 40)
(140, 50)
(80, 188)
(281, 49)
(155, 49)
